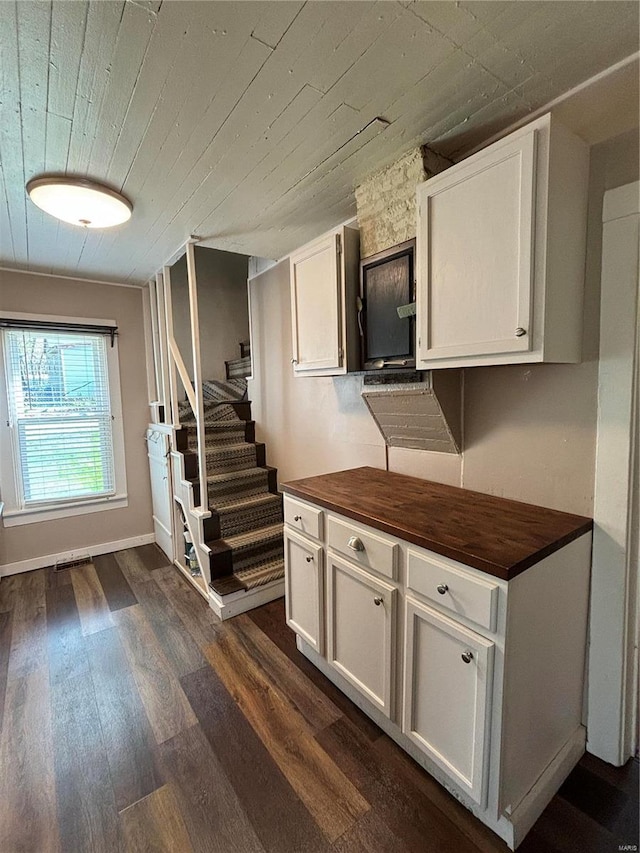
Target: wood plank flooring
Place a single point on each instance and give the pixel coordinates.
(132, 720)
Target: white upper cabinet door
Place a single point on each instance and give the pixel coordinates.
(448, 682)
(476, 229)
(316, 316)
(500, 253)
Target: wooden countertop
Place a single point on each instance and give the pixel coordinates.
(498, 536)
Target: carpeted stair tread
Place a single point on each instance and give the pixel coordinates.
(238, 368)
(244, 541)
(231, 500)
(217, 390)
(261, 573)
(251, 547)
(256, 511)
(258, 575)
(245, 482)
(230, 457)
(224, 433)
(213, 413)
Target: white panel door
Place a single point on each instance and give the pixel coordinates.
(304, 598)
(447, 690)
(475, 254)
(315, 306)
(161, 496)
(361, 614)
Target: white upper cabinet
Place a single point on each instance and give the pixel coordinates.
(501, 253)
(324, 276)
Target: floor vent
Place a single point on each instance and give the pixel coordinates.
(72, 564)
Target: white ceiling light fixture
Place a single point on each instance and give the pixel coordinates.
(79, 201)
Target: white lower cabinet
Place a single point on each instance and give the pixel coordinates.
(479, 679)
(361, 622)
(447, 694)
(304, 589)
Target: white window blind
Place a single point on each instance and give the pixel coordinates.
(60, 410)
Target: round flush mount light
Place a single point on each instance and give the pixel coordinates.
(79, 201)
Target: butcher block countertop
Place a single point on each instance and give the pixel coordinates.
(498, 536)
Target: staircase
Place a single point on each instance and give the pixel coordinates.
(243, 536)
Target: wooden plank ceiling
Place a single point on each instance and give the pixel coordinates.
(250, 123)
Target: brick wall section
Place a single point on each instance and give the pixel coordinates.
(386, 201)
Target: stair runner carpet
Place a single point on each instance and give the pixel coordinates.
(239, 367)
(250, 516)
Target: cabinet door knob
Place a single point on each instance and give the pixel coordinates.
(297, 518)
(442, 588)
(309, 559)
(467, 656)
(355, 544)
(378, 601)
(520, 332)
(294, 361)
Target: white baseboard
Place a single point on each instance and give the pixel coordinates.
(539, 797)
(226, 606)
(77, 553)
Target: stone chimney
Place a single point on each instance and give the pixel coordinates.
(421, 411)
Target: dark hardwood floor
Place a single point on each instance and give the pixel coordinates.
(133, 720)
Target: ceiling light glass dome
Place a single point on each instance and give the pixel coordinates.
(80, 202)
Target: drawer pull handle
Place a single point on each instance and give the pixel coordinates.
(297, 518)
(309, 559)
(467, 656)
(355, 544)
(442, 588)
(378, 601)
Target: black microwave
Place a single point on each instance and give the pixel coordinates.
(386, 308)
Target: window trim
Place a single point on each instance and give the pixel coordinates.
(14, 513)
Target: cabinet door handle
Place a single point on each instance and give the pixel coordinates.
(442, 588)
(355, 544)
(294, 361)
(378, 601)
(309, 559)
(520, 332)
(297, 518)
(467, 656)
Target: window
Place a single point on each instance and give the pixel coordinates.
(64, 432)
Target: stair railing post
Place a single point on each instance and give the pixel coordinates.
(168, 313)
(150, 336)
(197, 373)
(164, 391)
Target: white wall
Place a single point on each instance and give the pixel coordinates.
(222, 308)
(76, 298)
(311, 425)
(529, 430)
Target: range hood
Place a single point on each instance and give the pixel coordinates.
(417, 411)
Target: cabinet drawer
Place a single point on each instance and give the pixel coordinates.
(453, 589)
(302, 517)
(370, 550)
